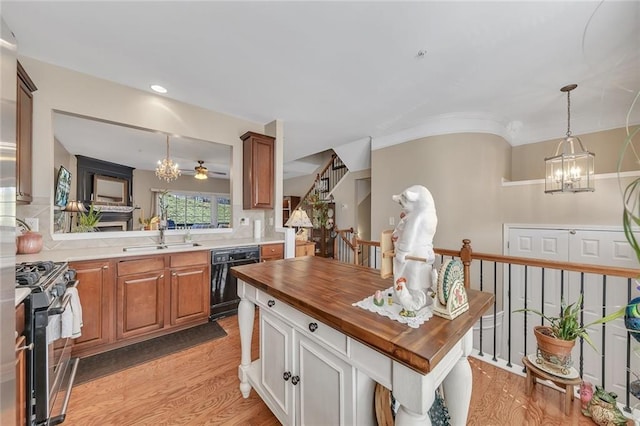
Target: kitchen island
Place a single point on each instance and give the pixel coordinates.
(320, 356)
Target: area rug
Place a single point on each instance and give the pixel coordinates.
(110, 362)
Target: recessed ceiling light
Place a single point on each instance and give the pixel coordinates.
(158, 88)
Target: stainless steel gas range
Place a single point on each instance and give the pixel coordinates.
(50, 369)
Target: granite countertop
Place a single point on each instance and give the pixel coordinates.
(79, 254)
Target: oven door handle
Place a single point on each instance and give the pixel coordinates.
(65, 301)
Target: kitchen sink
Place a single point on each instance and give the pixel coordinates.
(154, 247)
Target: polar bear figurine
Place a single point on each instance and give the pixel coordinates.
(413, 236)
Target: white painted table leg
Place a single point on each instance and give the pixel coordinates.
(457, 390)
(246, 315)
(405, 417)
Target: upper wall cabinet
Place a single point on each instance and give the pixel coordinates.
(24, 114)
(258, 159)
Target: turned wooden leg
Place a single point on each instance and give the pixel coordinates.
(405, 417)
(457, 389)
(246, 314)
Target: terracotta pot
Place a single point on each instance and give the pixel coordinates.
(28, 243)
(551, 349)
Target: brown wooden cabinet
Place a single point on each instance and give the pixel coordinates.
(97, 294)
(21, 368)
(140, 297)
(323, 239)
(258, 171)
(189, 287)
(305, 248)
(24, 132)
(271, 252)
(289, 203)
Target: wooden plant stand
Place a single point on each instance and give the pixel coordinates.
(533, 373)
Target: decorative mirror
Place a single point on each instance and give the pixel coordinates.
(109, 190)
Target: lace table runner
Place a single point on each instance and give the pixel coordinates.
(393, 311)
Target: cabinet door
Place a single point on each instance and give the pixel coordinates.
(23, 139)
(276, 340)
(258, 158)
(325, 390)
(96, 291)
(189, 294)
(140, 304)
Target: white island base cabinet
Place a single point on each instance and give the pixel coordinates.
(311, 374)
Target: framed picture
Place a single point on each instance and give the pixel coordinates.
(63, 186)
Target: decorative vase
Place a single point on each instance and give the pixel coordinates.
(553, 352)
(28, 243)
(632, 318)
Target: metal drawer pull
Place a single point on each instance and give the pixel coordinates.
(286, 376)
(271, 303)
(105, 267)
(313, 326)
(25, 348)
(295, 380)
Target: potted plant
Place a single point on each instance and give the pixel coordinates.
(149, 222)
(557, 339)
(87, 221)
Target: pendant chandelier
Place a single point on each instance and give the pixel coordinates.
(571, 169)
(167, 169)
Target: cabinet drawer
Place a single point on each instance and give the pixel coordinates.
(272, 251)
(303, 322)
(189, 259)
(149, 264)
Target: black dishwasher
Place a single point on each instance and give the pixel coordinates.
(224, 287)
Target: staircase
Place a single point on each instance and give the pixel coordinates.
(324, 184)
(318, 204)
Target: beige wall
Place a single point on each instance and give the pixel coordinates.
(65, 90)
(463, 172)
(528, 160)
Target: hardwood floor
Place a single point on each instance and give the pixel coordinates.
(199, 386)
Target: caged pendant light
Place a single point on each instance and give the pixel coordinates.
(571, 169)
(167, 169)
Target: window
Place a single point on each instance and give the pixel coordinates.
(195, 210)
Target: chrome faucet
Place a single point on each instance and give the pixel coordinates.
(161, 228)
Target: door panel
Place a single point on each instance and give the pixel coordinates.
(326, 386)
(276, 360)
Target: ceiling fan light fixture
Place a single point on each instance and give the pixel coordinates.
(571, 168)
(201, 171)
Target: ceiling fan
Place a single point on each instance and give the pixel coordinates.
(201, 172)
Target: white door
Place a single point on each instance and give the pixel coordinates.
(587, 246)
(326, 387)
(276, 353)
(612, 249)
(548, 244)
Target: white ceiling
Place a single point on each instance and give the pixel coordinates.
(341, 72)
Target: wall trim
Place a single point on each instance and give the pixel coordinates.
(600, 176)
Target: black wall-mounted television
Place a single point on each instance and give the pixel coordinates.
(63, 187)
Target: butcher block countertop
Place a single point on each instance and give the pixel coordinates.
(325, 289)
